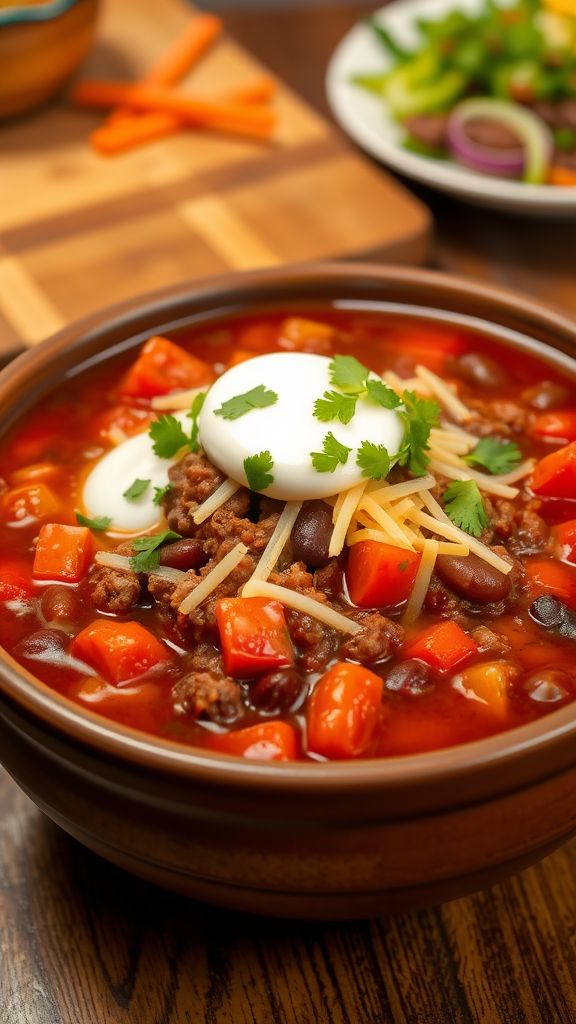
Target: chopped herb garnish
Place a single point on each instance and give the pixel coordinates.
(136, 489)
(463, 503)
(258, 398)
(97, 524)
(160, 493)
(495, 456)
(348, 375)
(332, 455)
(147, 550)
(402, 566)
(168, 436)
(258, 469)
(194, 413)
(419, 416)
(379, 392)
(334, 406)
(373, 460)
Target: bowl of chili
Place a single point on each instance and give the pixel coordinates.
(315, 706)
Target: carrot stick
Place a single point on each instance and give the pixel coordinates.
(240, 118)
(128, 132)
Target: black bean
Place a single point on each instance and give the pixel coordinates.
(184, 554)
(546, 395)
(59, 604)
(411, 677)
(477, 369)
(551, 613)
(472, 578)
(311, 534)
(548, 686)
(279, 692)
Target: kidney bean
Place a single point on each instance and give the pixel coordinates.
(60, 604)
(279, 692)
(478, 369)
(548, 686)
(547, 395)
(311, 534)
(472, 578)
(410, 677)
(184, 554)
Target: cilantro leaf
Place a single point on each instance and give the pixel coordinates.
(334, 406)
(419, 416)
(194, 413)
(379, 392)
(168, 436)
(373, 460)
(97, 524)
(258, 398)
(333, 454)
(258, 469)
(495, 456)
(463, 503)
(136, 489)
(147, 550)
(347, 374)
(160, 493)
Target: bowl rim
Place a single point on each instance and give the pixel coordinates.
(22, 13)
(89, 729)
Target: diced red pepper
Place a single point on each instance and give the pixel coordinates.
(442, 646)
(141, 706)
(380, 574)
(559, 424)
(253, 635)
(163, 366)
(119, 650)
(486, 685)
(270, 741)
(555, 474)
(564, 535)
(344, 711)
(15, 582)
(24, 505)
(426, 344)
(62, 553)
(548, 576)
(121, 417)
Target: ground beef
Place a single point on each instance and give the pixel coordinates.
(225, 529)
(379, 638)
(113, 590)
(520, 527)
(194, 479)
(496, 418)
(489, 642)
(329, 578)
(209, 696)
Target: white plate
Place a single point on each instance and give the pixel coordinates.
(365, 118)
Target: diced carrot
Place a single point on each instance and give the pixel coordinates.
(561, 175)
(22, 506)
(162, 367)
(62, 553)
(344, 711)
(253, 635)
(555, 474)
(271, 741)
(487, 684)
(548, 576)
(240, 356)
(564, 535)
(140, 706)
(257, 336)
(35, 472)
(15, 581)
(380, 574)
(559, 424)
(119, 650)
(300, 335)
(442, 646)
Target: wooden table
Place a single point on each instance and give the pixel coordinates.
(81, 943)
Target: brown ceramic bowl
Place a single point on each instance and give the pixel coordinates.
(42, 42)
(301, 839)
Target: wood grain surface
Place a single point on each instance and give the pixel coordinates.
(82, 943)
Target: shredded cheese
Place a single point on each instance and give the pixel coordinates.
(524, 469)
(445, 396)
(117, 435)
(345, 513)
(219, 497)
(301, 603)
(444, 547)
(486, 483)
(451, 442)
(422, 581)
(277, 542)
(393, 381)
(122, 564)
(452, 532)
(214, 578)
(385, 520)
(394, 491)
(176, 399)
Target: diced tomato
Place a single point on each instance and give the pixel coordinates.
(380, 574)
(254, 635)
(344, 711)
(564, 535)
(119, 650)
(62, 553)
(122, 418)
(555, 474)
(260, 337)
(559, 425)
(487, 684)
(271, 741)
(442, 646)
(141, 706)
(163, 366)
(15, 582)
(426, 344)
(548, 576)
(22, 506)
(300, 335)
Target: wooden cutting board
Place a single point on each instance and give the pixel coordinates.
(79, 231)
